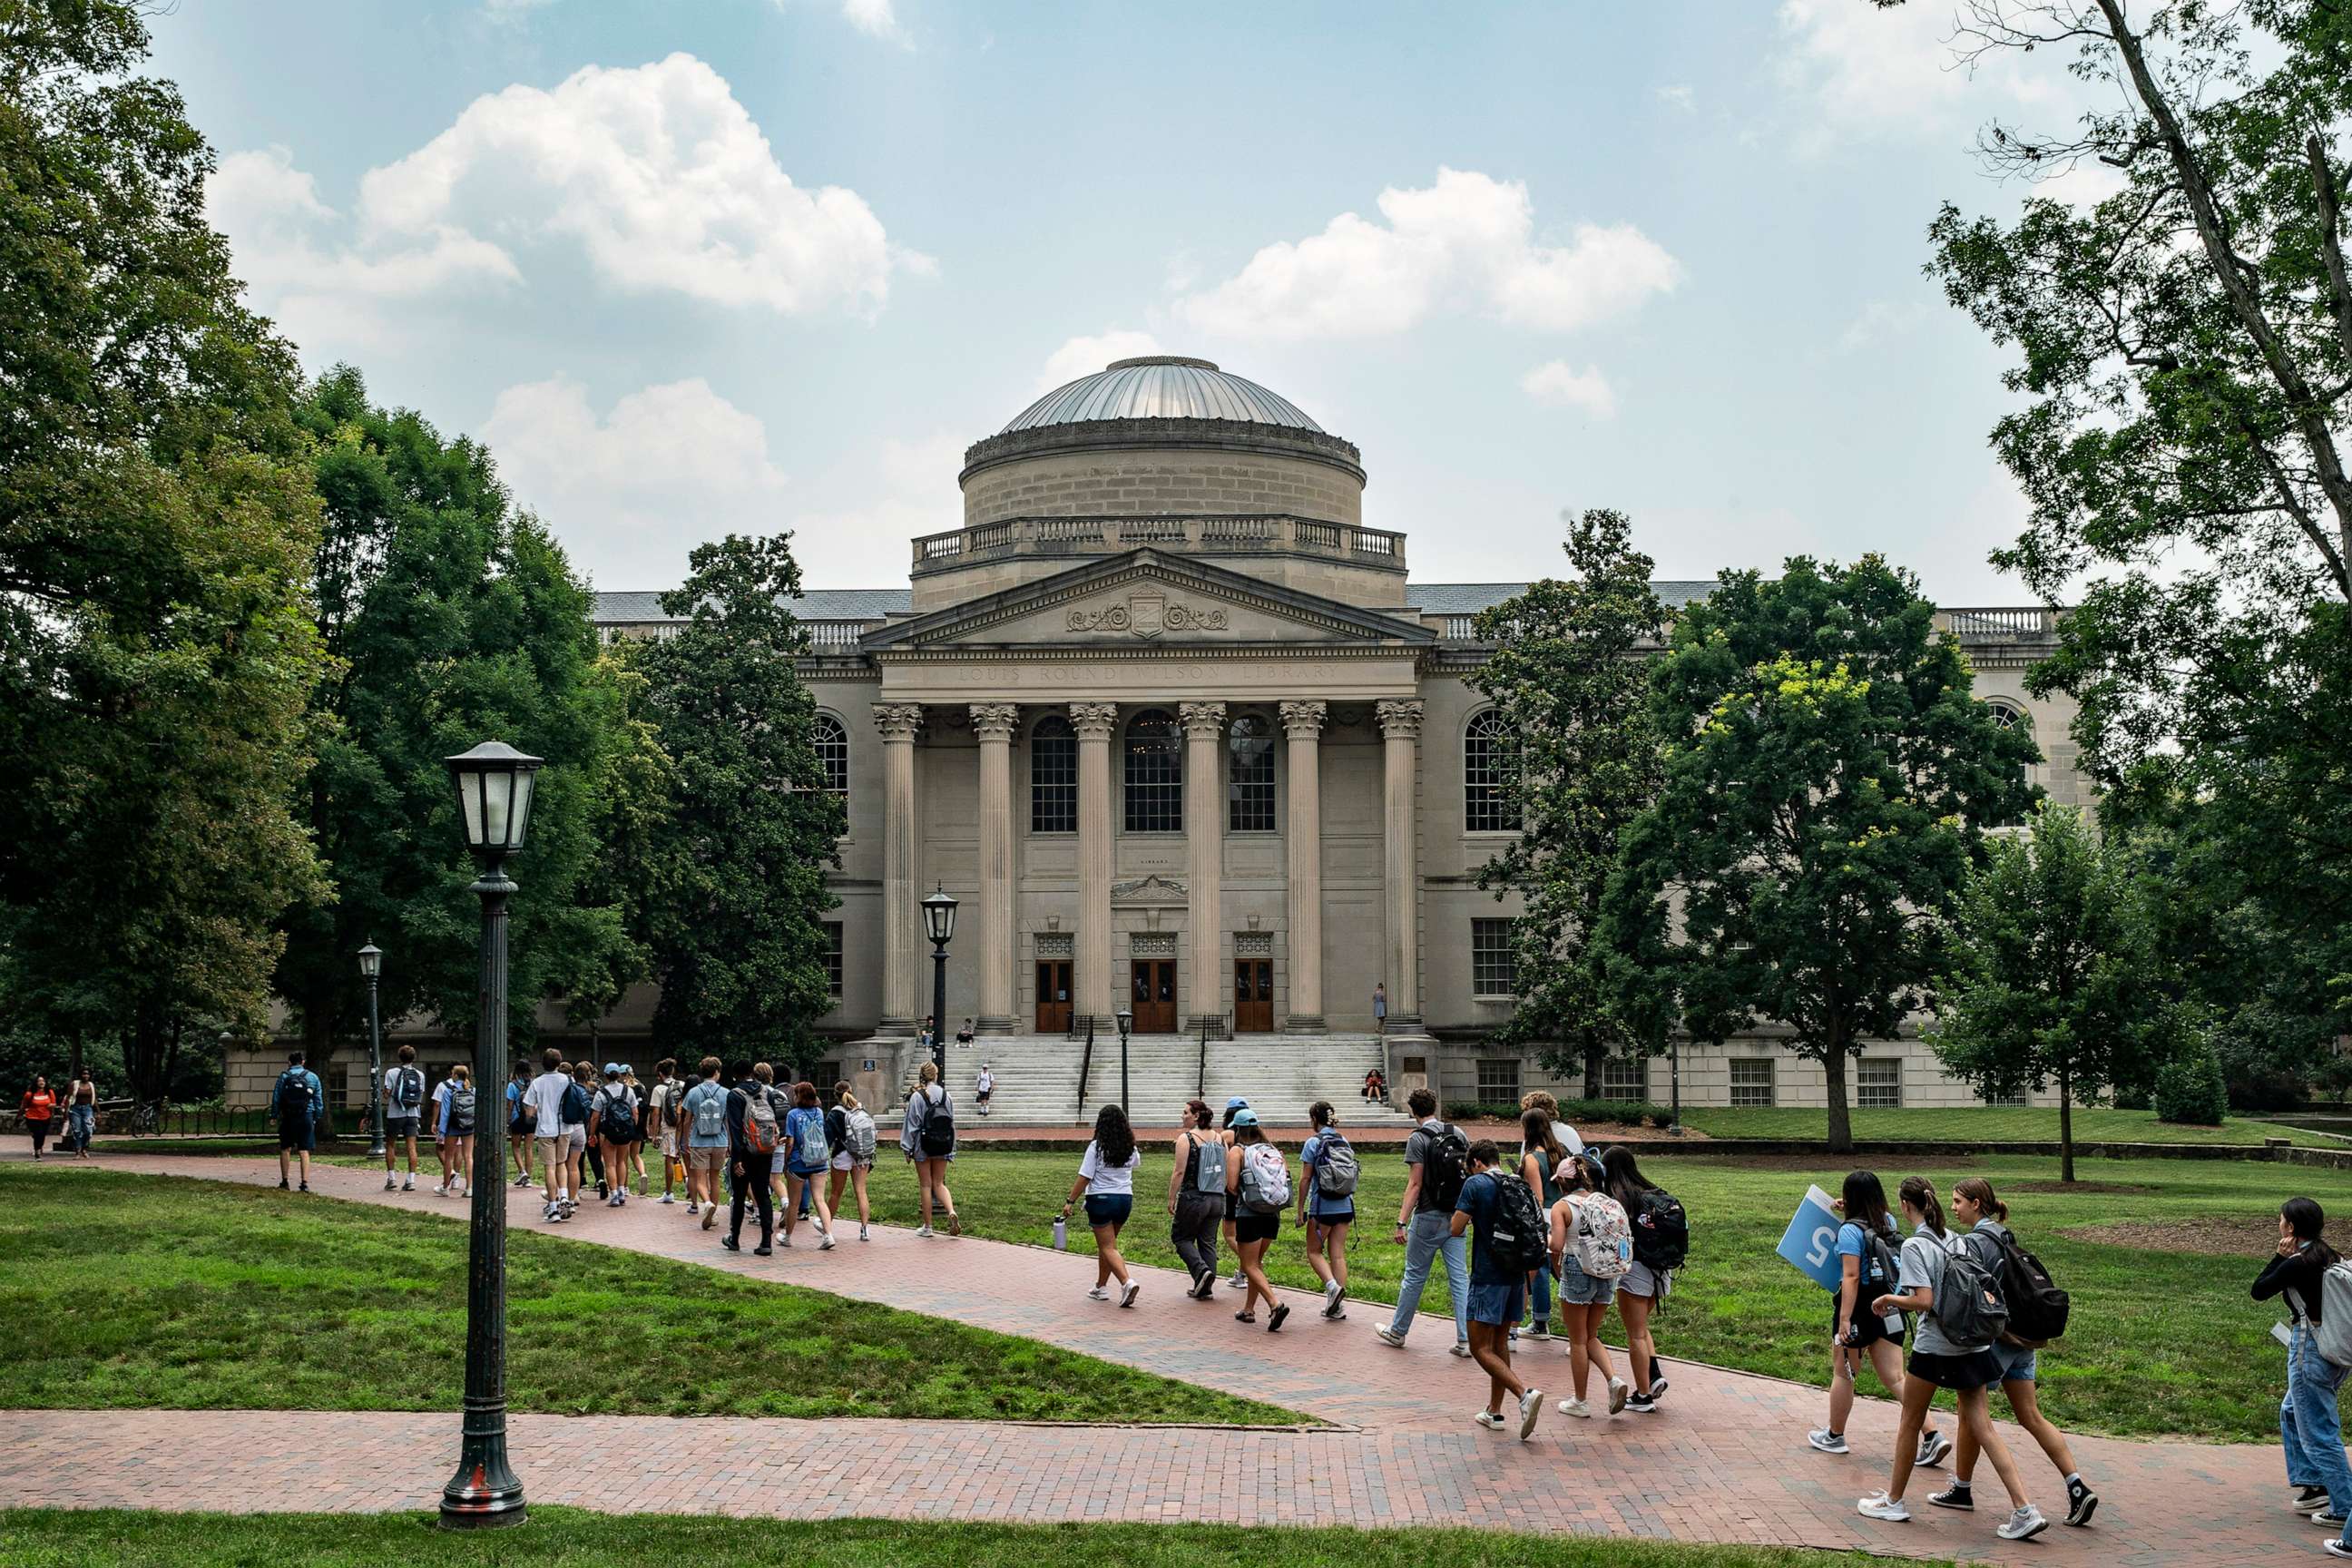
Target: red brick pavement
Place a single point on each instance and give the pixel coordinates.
(1725, 1460)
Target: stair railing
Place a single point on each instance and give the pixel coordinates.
(1201, 1078)
(1086, 1065)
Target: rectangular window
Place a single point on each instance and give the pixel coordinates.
(833, 959)
(1623, 1077)
(1498, 1080)
(1752, 1080)
(1878, 1083)
(1054, 778)
(1493, 972)
(824, 1074)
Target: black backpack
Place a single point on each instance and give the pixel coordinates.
(1967, 1304)
(619, 1124)
(1446, 1166)
(938, 1138)
(2037, 1309)
(461, 1111)
(294, 1094)
(1660, 1231)
(1520, 1237)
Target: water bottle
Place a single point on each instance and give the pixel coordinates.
(1061, 1233)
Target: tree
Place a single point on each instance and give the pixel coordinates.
(1827, 777)
(452, 619)
(2051, 974)
(734, 930)
(2185, 355)
(1570, 676)
(156, 526)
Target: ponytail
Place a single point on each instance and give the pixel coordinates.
(1920, 1194)
(1979, 1191)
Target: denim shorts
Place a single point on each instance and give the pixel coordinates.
(2017, 1362)
(1110, 1208)
(1577, 1288)
(1498, 1304)
(1641, 1279)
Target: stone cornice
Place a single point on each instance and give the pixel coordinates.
(1164, 435)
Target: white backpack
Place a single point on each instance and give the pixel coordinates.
(1265, 1179)
(2333, 1336)
(860, 1127)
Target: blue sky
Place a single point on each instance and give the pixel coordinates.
(748, 264)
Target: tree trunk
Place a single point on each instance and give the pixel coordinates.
(2065, 1126)
(1595, 1050)
(1841, 1124)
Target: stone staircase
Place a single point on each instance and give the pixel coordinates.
(1279, 1075)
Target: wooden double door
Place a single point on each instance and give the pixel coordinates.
(1253, 996)
(1153, 987)
(1053, 995)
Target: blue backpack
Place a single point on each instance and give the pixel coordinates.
(575, 1105)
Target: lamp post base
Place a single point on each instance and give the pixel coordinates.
(485, 1493)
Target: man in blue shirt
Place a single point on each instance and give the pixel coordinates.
(297, 1102)
(1497, 1293)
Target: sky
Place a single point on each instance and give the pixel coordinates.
(737, 266)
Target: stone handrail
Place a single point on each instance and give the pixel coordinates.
(1218, 534)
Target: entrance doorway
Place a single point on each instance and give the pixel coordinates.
(1155, 995)
(1253, 996)
(1053, 995)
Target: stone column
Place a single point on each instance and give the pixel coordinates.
(994, 722)
(1303, 841)
(1400, 739)
(1204, 842)
(1091, 979)
(902, 1004)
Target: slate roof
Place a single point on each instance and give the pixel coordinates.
(873, 604)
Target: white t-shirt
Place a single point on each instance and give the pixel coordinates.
(392, 1108)
(1108, 1178)
(545, 1097)
(614, 1093)
(986, 1083)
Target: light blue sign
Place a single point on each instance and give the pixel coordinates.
(1810, 1242)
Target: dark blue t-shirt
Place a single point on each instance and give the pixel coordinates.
(1479, 1198)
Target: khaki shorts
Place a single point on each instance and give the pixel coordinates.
(673, 1148)
(706, 1160)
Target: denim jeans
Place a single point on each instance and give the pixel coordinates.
(2309, 1427)
(1540, 1295)
(1431, 1237)
(81, 1120)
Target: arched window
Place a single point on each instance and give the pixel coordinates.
(833, 754)
(1155, 773)
(2009, 716)
(1053, 776)
(1488, 771)
(1249, 775)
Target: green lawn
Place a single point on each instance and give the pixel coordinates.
(143, 1290)
(2002, 1124)
(570, 1538)
(2161, 1342)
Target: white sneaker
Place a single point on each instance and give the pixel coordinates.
(862, 1236)
(388, 1182)
(1827, 1441)
(408, 1185)
(1462, 1349)
(2023, 1525)
(825, 1241)
(1576, 1407)
(1388, 1335)
(551, 1214)
(1878, 1505)
(1240, 1281)
(1530, 1408)
(1490, 1420)
(1618, 1391)
(1933, 1447)
(925, 1230)
(1098, 1294)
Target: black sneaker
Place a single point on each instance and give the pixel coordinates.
(602, 1191)
(2305, 1498)
(2335, 1547)
(730, 1244)
(283, 1186)
(763, 1252)
(2328, 1518)
(2082, 1502)
(306, 1186)
(1955, 1496)
(1641, 1404)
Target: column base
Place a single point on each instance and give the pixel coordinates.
(991, 1024)
(895, 1029)
(1304, 1024)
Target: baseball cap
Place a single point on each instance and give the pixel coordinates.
(1237, 1103)
(611, 1070)
(1246, 1117)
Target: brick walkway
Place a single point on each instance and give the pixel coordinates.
(1725, 1460)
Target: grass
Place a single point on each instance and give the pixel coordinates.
(572, 1538)
(1996, 1124)
(128, 1290)
(2162, 1341)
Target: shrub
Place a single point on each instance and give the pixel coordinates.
(1575, 1113)
(2190, 1088)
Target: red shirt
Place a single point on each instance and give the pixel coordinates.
(38, 1105)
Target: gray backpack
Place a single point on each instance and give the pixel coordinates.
(1208, 1165)
(2333, 1338)
(1968, 1305)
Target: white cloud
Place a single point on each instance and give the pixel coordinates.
(1085, 355)
(1864, 72)
(1468, 238)
(1679, 95)
(876, 19)
(1557, 386)
(631, 493)
(1879, 321)
(2085, 185)
(910, 489)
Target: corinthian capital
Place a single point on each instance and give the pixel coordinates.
(1204, 718)
(898, 720)
(1400, 721)
(1303, 721)
(995, 721)
(1093, 721)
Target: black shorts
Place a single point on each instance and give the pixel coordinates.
(1256, 1227)
(1869, 1328)
(1233, 1206)
(297, 1132)
(1978, 1369)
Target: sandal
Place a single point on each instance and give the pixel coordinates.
(1244, 1317)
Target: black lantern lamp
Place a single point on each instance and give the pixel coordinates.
(370, 959)
(938, 924)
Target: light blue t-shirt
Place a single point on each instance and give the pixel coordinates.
(708, 1089)
(805, 1127)
(1318, 1204)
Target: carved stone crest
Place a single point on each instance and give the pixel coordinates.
(1147, 615)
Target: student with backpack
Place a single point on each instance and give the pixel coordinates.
(1436, 1163)
(1107, 1182)
(456, 1128)
(543, 1105)
(583, 1155)
(1868, 1268)
(1661, 1242)
(1234, 1108)
(518, 1122)
(1196, 1197)
(1960, 1316)
(404, 1099)
(849, 1131)
(928, 1138)
(755, 1131)
(2311, 1427)
(436, 1115)
(1541, 1154)
(807, 1154)
(661, 1119)
(1591, 1246)
(612, 1126)
(1328, 1174)
(297, 1100)
(2037, 1314)
(1509, 1233)
(1259, 1179)
(704, 1113)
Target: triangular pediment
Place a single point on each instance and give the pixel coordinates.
(1148, 598)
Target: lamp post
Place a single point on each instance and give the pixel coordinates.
(494, 788)
(938, 924)
(1126, 1017)
(371, 965)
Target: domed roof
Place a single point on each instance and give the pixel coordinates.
(1161, 386)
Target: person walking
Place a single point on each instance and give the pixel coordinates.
(1986, 1218)
(807, 1154)
(1661, 1239)
(1436, 1163)
(39, 1108)
(2311, 1425)
(518, 1091)
(457, 1130)
(662, 1118)
(1592, 1248)
(612, 1126)
(754, 1135)
(583, 1155)
(543, 1107)
(1107, 1182)
(982, 1086)
(1868, 1268)
(633, 1170)
(1497, 1282)
(1541, 1154)
(928, 1138)
(1940, 1361)
(81, 1114)
(704, 1110)
(437, 1113)
(1196, 1197)
(1380, 1007)
(1548, 1103)
(402, 1089)
(849, 1133)
(297, 1100)
(1234, 1108)
(1259, 1177)
(1327, 1173)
